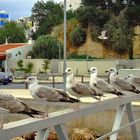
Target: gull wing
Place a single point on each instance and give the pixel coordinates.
(104, 86)
(47, 92)
(136, 80)
(123, 84)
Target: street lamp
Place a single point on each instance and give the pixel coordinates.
(65, 30)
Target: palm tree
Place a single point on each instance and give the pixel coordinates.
(46, 65)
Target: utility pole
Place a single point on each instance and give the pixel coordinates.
(65, 43)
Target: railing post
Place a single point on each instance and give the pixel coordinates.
(61, 132)
(82, 78)
(42, 134)
(53, 80)
(117, 121)
(130, 115)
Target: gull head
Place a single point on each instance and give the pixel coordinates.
(68, 71)
(113, 71)
(130, 76)
(93, 70)
(31, 79)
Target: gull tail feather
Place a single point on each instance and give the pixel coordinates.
(119, 93)
(135, 90)
(69, 99)
(32, 112)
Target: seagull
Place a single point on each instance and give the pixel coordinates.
(79, 89)
(102, 36)
(133, 80)
(101, 84)
(120, 83)
(15, 105)
(49, 93)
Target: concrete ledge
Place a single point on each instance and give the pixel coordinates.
(125, 72)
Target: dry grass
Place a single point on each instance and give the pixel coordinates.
(75, 134)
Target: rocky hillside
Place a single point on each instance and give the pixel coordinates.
(92, 48)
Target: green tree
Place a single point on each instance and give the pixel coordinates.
(86, 15)
(78, 36)
(92, 2)
(48, 14)
(133, 14)
(119, 34)
(13, 33)
(46, 65)
(2, 36)
(71, 14)
(47, 47)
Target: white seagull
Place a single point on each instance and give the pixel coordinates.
(78, 89)
(119, 83)
(102, 36)
(101, 84)
(51, 94)
(15, 105)
(133, 80)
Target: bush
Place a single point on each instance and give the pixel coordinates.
(75, 56)
(29, 67)
(78, 36)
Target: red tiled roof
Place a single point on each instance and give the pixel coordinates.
(5, 47)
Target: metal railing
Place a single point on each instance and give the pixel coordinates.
(57, 119)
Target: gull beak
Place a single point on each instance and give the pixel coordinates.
(25, 81)
(64, 73)
(88, 71)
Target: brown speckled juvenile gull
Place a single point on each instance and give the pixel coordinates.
(50, 94)
(15, 105)
(119, 83)
(133, 80)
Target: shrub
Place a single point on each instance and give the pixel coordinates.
(78, 36)
(46, 65)
(29, 67)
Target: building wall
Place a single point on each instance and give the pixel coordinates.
(73, 4)
(19, 52)
(79, 66)
(16, 54)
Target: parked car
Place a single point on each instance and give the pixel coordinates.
(5, 79)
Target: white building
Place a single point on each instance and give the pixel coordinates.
(73, 4)
(13, 50)
(4, 17)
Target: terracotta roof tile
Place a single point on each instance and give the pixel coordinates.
(5, 47)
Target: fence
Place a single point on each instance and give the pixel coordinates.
(57, 120)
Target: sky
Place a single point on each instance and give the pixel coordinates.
(18, 8)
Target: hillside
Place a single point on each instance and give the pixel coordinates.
(92, 48)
